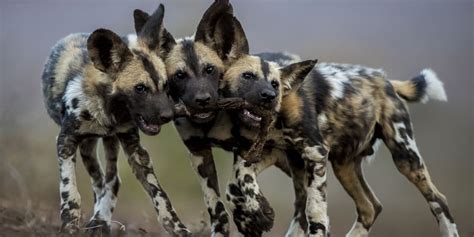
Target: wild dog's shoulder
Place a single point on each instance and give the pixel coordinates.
(65, 62)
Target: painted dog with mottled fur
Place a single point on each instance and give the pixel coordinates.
(216, 62)
(94, 87)
(340, 114)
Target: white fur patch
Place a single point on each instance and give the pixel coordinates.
(73, 91)
(186, 38)
(68, 171)
(151, 179)
(132, 41)
(434, 86)
(446, 227)
(313, 153)
(358, 230)
(375, 148)
(398, 138)
(337, 85)
(106, 202)
(295, 229)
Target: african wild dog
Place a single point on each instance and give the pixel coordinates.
(218, 58)
(340, 114)
(96, 87)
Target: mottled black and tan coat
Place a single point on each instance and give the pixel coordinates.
(95, 87)
(201, 69)
(340, 114)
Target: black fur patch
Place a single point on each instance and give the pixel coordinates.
(148, 66)
(74, 103)
(314, 227)
(322, 90)
(85, 115)
(265, 68)
(191, 57)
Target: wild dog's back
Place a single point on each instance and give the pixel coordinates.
(66, 61)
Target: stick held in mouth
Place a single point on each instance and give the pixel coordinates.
(254, 154)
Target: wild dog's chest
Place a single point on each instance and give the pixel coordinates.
(94, 127)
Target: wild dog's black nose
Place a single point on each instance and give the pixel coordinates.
(203, 99)
(267, 95)
(166, 116)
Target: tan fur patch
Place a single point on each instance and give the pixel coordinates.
(208, 56)
(176, 59)
(404, 88)
(292, 108)
(69, 60)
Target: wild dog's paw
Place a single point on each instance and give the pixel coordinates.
(97, 228)
(184, 233)
(70, 229)
(251, 220)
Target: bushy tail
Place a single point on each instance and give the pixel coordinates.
(422, 88)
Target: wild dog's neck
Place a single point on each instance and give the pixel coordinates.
(109, 106)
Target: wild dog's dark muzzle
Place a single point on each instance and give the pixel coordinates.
(203, 99)
(267, 96)
(154, 113)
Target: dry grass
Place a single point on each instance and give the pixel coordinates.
(20, 221)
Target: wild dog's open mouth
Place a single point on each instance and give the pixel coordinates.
(203, 117)
(147, 128)
(250, 118)
(251, 115)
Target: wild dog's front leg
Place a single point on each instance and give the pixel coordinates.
(88, 151)
(142, 167)
(299, 224)
(252, 213)
(316, 205)
(203, 164)
(70, 198)
(100, 223)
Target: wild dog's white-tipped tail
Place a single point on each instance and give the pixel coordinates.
(421, 88)
(434, 86)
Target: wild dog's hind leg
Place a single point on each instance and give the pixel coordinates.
(299, 224)
(349, 173)
(398, 136)
(100, 223)
(203, 164)
(251, 211)
(142, 167)
(70, 198)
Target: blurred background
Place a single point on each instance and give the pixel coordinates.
(401, 37)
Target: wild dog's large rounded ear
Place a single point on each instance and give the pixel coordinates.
(107, 51)
(231, 42)
(139, 17)
(151, 32)
(293, 75)
(207, 25)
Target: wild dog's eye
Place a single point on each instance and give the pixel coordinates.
(140, 88)
(248, 75)
(209, 69)
(275, 84)
(180, 75)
